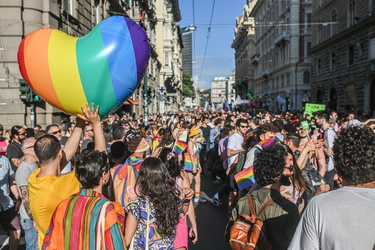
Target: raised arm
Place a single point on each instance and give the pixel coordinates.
(92, 116)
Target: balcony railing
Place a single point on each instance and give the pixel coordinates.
(285, 36)
(266, 73)
(255, 59)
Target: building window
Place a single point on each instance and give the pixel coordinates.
(350, 55)
(320, 3)
(166, 58)
(68, 6)
(334, 23)
(372, 48)
(351, 14)
(372, 10)
(166, 32)
(308, 21)
(319, 35)
(319, 67)
(308, 48)
(333, 62)
(306, 77)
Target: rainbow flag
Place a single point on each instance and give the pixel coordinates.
(245, 178)
(179, 147)
(190, 163)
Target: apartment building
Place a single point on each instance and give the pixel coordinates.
(343, 54)
(282, 57)
(243, 44)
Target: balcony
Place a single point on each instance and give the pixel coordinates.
(266, 73)
(255, 59)
(285, 36)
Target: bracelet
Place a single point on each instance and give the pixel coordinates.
(186, 204)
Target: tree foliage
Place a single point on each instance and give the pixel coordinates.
(187, 86)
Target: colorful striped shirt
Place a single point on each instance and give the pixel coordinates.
(87, 220)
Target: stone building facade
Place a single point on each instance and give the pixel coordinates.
(243, 44)
(282, 43)
(168, 47)
(218, 89)
(343, 52)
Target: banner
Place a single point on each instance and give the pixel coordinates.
(310, 108)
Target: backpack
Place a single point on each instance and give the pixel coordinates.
(248, 232)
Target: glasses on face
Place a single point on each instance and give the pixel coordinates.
(56, 132)
(90, 130)
(29, 147)
(289, 168)
(24, 133)
(244, 126)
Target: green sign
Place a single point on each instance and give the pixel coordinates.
(310, 108)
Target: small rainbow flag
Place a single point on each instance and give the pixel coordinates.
(179, 147)
(245, 178)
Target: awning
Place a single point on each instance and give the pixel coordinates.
(131, 102)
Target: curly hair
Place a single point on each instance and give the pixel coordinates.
(269, 164)
(353, 154)
(157, 185)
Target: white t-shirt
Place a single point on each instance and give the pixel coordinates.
(329, 137)
(234, 142)
(340, 219)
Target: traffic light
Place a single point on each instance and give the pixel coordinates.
(27, 94)
(25, 90)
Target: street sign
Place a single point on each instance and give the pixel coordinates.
(171, 94)
(161, 90)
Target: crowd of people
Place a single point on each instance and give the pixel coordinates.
(130, 183)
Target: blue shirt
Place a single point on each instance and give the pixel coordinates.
(5, 171)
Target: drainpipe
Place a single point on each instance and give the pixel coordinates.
(295, 95)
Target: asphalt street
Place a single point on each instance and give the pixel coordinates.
(211, 220)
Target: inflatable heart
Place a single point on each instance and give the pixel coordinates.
(102, 67)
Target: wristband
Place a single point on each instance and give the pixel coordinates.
(186, 204)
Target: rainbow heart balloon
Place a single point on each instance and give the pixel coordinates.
(102, 67)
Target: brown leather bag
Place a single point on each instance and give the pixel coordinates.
(247, 232)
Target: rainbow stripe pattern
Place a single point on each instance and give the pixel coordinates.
(269, 142)
(179, 147)
(245, 178)
(190, 163)
(102, 67)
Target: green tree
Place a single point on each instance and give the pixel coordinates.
(187, 86)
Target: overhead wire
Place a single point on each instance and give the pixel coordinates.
(208, 37)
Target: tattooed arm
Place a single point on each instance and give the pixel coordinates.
(26, 201)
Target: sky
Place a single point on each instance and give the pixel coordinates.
(219, 59)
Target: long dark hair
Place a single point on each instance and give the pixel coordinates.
(171, 162)
(298, 180)
(156, 184)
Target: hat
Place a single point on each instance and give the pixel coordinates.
(194, 131)
(269, 142)
(137, 144)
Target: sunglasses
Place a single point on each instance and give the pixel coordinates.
(289, 168)
(244, 126)
(24, 133)
(56, 132)
(89, 130)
